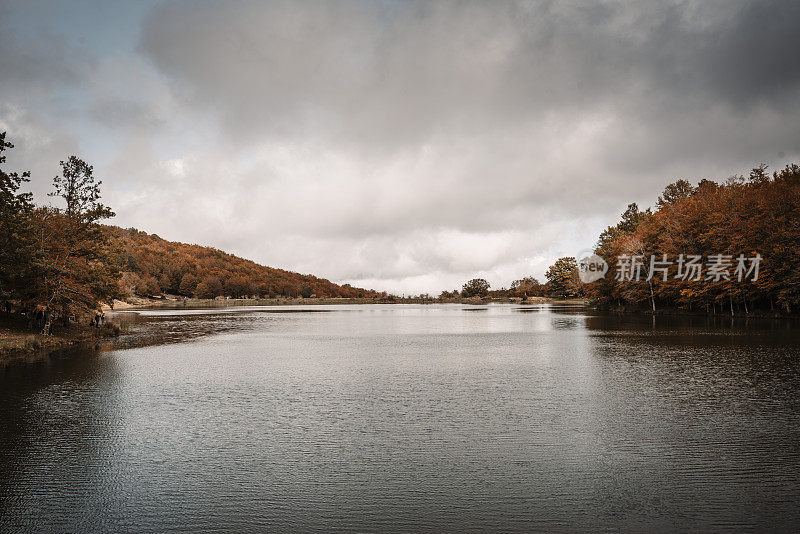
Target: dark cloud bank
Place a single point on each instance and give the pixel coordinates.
(406, 145)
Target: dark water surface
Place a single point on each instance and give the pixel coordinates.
(408, 418)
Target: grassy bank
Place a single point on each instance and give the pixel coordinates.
(18, 343)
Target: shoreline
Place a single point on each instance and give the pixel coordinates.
(139, 303)
(18, 344)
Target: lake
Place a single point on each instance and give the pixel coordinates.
(408, 418)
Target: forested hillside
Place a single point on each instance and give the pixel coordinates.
(61, 262)
(722, 228)
(151, 265)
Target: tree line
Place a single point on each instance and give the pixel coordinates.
(54, 259)
(751, 217)
(742, 218)
(562, 282)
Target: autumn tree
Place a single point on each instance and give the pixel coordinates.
(477, 287)
(76, 268)
(238, 286)
(187, 285)
(17, 238)
(674, 192)
(80, 191)
(562, 278)
(631, 218)
(209, 288)
(527, 287)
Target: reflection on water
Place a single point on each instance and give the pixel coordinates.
(439, 417)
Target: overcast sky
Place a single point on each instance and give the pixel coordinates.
(400, 145)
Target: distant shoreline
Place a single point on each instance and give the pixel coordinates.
(138, 303)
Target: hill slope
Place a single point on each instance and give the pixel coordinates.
(152, 265)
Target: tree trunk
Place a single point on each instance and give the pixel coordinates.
(652, 297)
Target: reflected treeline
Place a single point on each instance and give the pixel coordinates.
(690, 326)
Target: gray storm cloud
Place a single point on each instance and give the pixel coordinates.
(409, 145)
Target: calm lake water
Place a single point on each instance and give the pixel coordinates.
(408, 418)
